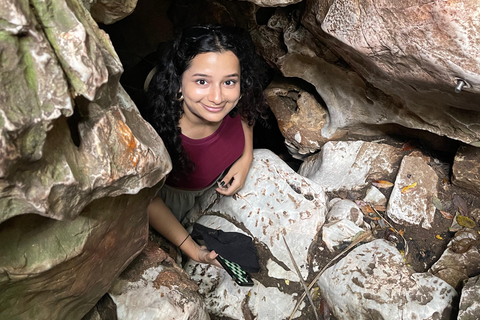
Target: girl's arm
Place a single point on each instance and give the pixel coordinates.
(163, 220)
(240, 168)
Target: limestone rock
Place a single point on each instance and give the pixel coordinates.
(411, 200)
(373, 280)
(375, 197)
(460, 261)
(67, 225)
(466, 169)
(469, 301)
(118, 153)
(111, 11)
(350, 165)
(154, 287)
(338, 231)
(273, 3)
(344, 209)
(274, 203)
(35, 90)
(300, 117)
(59, 269)
(415, 53)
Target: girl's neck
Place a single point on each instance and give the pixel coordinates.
(197, 129)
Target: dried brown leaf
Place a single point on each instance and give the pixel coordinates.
(382, 184)
(379, 207)
(446, 215)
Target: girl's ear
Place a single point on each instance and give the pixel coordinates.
(179, 95)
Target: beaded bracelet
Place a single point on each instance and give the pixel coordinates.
(184, 240)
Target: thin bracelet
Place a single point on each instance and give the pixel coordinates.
(184, 240)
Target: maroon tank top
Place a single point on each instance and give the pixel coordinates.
(211, 155)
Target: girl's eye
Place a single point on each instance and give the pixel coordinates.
(230, 82)
(202, 82)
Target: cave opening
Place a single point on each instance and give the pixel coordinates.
(139, 38)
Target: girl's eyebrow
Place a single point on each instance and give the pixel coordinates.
(208, 76)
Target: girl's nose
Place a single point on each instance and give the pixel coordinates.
(215, 94)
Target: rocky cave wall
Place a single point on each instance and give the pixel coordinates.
(78, 164)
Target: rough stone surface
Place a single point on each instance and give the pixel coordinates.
(344, 221)
(413, 52)
(466, 168)
(470, 300)
(74, 185)
(154, 287)
(350, 165)
(35, 90)
(375, 197)
(409, 203)
(224, 298)
(460, 261)
(60, 269)
(274, 203)
(300, 117)
(111, 11)
(372, 280)
(273, 3)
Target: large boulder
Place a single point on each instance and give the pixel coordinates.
(275, 204)
(78, 167)
(373, 280)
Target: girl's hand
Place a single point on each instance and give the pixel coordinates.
(205, 256)
(236, 176)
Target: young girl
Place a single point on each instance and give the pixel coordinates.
(204, 99)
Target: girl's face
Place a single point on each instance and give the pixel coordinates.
(211, 87)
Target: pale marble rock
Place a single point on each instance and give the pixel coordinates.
(466, 169)
(224, 298)
(154, 287)
(350, 165)
(413, 205)
(470, 300)
(373, 280)
(338, 231)
(278, 272)
(345, 220)
(375, 197)
(345, 209)
(275, 202)
(460, 261)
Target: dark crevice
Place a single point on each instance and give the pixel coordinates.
(73, 122)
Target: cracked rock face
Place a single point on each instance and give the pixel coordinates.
(411, 198)
(275, 203)
(403, 63)
(350, 165)
(77, 162)
(373, 280)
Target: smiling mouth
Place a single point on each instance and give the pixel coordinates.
(213, 109)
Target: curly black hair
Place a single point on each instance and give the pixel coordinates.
(165, 109)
